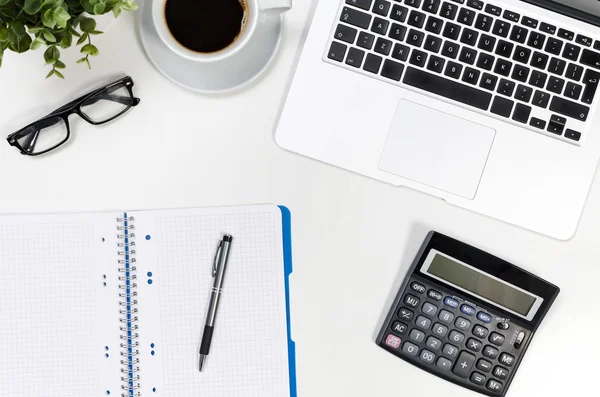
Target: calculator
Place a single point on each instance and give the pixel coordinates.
(465, 315)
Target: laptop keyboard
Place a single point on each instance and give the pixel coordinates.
(486, 58)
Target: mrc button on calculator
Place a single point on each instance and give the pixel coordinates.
(465, 315)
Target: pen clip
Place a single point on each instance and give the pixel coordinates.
(214, 269)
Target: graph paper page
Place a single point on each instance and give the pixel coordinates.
(249, 351)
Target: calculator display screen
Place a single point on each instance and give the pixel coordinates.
(481, 284)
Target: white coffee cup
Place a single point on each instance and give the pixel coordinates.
(257, 10)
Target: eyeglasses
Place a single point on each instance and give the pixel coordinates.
(97, 107)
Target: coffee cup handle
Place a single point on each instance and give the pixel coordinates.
(275, 5)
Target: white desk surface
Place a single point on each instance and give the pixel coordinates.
(353, 237)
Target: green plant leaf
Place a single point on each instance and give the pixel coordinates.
(35, 44)
(61, 16)
(74, 32)
(22, 44)
(51, 73)
(4, 2)
(87, 24)
(96, 32)
(32, 6)
(89, 49)
(48, 18)
(66, 40)
(18, 29)
(117, 10)
(129, 5)
(3, 34)
(35, 30)
(99, 8)
(82, 39)
(48, 36)
(59, 64)
(59, 74)
(51, 55)
(81, 60)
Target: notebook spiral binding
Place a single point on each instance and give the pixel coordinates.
(128, 318)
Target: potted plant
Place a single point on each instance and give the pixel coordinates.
(54, 24)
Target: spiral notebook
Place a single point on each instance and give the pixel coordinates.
(114, 304)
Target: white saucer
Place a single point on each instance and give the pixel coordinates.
(241, 69)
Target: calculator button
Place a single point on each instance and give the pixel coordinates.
(480, 331)
(405, 314)
(490, 352)
(417, 335)
(484, 317)
(410, 349)
(494, 386)
(429, 309)
(446, 316)
(453, 303)
(411, 301)
(450, 350)
(474, 344)
(439, 329)
(500, 373)
(423, 322)
(427, 356)
(433, 343)
(469, 310)
(496, 339)
(506, 359)
(420, 288)
(462, 323)
(444, 364)
(463, 364)
(456, 337)
(399, 327)
(483, 365)
(478, 378)
(435, 295)
(393, 341)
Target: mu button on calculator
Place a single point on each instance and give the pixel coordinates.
(465, 316)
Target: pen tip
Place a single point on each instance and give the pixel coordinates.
(227, 238)
(201, 362)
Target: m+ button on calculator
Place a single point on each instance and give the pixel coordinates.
(465, 315)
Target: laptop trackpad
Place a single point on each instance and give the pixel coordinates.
(436, 149)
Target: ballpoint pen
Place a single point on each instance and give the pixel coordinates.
(218, 273)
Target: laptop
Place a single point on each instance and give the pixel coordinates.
(490, 105)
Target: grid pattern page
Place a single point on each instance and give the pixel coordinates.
(249, 355)
(48, 330)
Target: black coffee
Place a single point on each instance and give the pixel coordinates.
(205, 25)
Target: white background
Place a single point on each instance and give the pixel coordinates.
(353, 237)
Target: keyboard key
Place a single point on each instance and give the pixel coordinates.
(496, 339)
(484, 317)
(433, 43)
(447, 88)
(569, 108)
(539, 60)
(504, 48)
(553, 46)
(523, 93)
(484, 365)
(537, 123)
(574, 72)
(431, 6)
(433, 294)
(383, 46)
(467, 55)
(590, 58)
(415, 38)
(596, 45)
(583, 40)
(536, 40)
(485, 61)
(511, 16)
(522, 54)
(557, 66)
(448, 10)
(410, 348)
(372, 64)
(477, 378)
(501, 28)
(463, 365)
(555, 84)
(574, 135)
(466, 16)
(518, 34)
(453, 70)
(522, 113)
(436, 64)
(461, 322)
(540, 99)
(590, 80)
(476, 4)
(555, 126)
(345, 33)
(355, 17)
(422, 321)
(364, 4)
(451, 31)
(538, 79)
(397, 32)
(355, 57)
(416, 19)
(443, 364)
(529, 22)
(434, 25)
(520, 73)
(365, 40)
(382, 7)
(392, 70)
(502, 67)
(416, 335)
(427, 356)
(488, 81)
(418, 58)
(565, 34)
(487, 42)
(545, 27)
(456, 337)
(571, 52)
(472, 343)
(399, 13)
(433, 343)
(490, 351)
(337, 51)
(506, 87)
(413, 3)
(450, 350)
(450, 50)
(400, 52)
(380, 26)
(483, 22)
(479, 331)
(469, 36)
(492, 9)
(494, 386)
